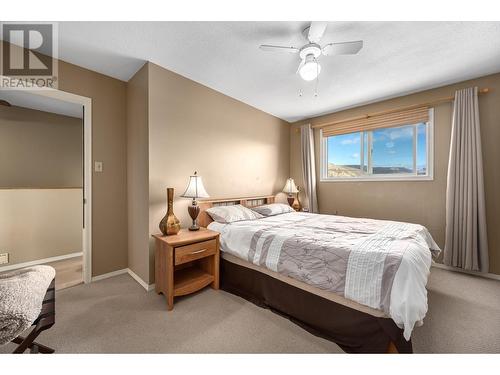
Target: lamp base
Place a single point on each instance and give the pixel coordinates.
(194, 210)
(290, 200)
(194, 227)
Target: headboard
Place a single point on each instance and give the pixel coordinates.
(204, 219)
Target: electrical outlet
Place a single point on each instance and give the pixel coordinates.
(4, 258)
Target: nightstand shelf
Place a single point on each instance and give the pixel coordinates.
(189, 280)
(186, 262)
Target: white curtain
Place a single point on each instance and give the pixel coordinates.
(309, 166)
(466, 243)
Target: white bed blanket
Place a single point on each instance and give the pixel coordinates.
(21, 296)
(381, 264)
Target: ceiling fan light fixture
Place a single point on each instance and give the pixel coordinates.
(310, 70)
(309, 53)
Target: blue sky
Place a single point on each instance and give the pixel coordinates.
(391, 147)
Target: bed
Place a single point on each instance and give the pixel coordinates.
(357, 282)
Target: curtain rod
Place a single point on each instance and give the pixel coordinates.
(427, 104)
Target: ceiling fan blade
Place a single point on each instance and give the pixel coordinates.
(267, 47)
(316, 31)
(345, 48)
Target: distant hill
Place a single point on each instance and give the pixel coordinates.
(343, 170)
(355, 170)
(389, 170)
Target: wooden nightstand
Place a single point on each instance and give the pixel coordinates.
(186, 262)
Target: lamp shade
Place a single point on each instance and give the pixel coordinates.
(195, 188)
(290, 187)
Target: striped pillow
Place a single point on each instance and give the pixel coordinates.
(229, 214)
(273, 209)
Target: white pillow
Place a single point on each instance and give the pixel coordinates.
(228, 214)
(273, 209)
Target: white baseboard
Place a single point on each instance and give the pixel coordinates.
(109, 274)
(473, 273)
(123, 271)
(40, 261)
(144, 284)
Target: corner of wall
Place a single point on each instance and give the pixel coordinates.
(138, 173)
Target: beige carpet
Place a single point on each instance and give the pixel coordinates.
(117, 316)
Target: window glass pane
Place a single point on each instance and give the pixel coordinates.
(422, 149)
(344, 159)
(393, 150)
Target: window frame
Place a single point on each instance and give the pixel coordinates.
(383, 177)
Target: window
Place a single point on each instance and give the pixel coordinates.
(390, 153)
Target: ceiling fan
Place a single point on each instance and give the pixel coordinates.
(309, 67)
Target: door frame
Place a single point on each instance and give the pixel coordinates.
(87, 169)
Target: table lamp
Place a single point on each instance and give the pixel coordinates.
(290, 188)
(194, 190)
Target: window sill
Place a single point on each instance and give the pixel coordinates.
(378, 179)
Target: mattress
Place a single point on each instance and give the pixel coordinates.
(378, 266)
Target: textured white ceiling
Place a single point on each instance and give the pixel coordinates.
(397, 58)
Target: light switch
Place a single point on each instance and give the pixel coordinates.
(98, 166)
(4, 258)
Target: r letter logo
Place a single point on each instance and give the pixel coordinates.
(29, 56)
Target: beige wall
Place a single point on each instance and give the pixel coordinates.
(138, 173)
(237, 149)
(420, 202)
(41, 153)
(109, 145)
(39, 149)
(40, 223)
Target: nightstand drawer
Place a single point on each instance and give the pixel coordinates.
(194, 251)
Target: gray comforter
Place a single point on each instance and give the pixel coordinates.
(355, 258)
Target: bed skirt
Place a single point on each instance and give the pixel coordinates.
(354, 331)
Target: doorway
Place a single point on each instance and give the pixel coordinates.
(68, 190)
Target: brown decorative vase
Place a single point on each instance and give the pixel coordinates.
(170, 224)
